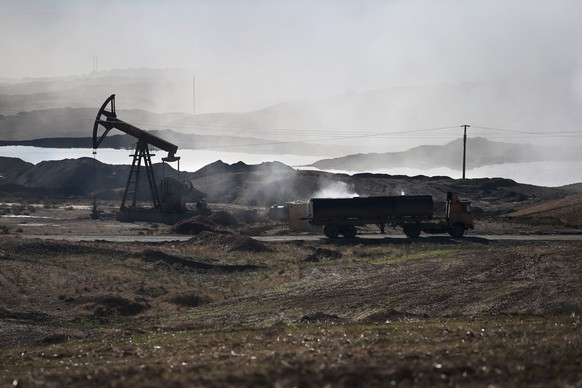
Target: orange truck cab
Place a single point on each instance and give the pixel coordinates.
(458, 215)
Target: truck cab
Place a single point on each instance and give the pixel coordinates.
(458, 215)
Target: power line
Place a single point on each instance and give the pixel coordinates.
(537, 133)
(464, 146)
(313, 140)
(364, 133)
(333, 133)
(316, 136)
(293, 131)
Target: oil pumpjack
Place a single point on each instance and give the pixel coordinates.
(169, 204)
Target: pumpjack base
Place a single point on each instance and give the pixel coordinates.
(157, 216)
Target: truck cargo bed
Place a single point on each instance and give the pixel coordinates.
(371, 208)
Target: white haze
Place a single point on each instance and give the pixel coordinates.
(247, 55)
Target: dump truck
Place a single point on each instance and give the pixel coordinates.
(413, 213)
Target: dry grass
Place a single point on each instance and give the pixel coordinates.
(200, 312)
(563, 212)
(427, 352)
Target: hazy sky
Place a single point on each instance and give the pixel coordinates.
(259, 52)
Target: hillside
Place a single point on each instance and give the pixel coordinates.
(480, 151)
(7, 165)
(565, 211)
(264, 185)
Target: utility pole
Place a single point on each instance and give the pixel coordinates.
(193, 95)
(464, 147)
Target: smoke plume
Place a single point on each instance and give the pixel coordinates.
(336, 189)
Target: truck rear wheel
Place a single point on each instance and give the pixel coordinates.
(331, 230)
(457, 230)
(349, 231)
(412, 230)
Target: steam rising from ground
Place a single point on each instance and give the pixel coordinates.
(336, 189)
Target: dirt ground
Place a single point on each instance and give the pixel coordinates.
(223, 309)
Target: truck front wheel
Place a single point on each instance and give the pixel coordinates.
(331, 230)
(457, 230)
(349, 231)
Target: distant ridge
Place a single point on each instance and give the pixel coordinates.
(480, 151)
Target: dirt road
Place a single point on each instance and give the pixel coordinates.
(378, 238)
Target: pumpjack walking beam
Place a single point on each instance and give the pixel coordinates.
(107, 118)
(111, 121)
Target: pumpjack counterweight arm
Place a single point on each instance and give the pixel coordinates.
(108, 120)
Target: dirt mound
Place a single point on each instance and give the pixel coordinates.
(323, 254)
(385, 316)
(195, 225)
(53, 248)
(224, 218)
(24, 315)
(320, 317)
(190, 300)
(230, 242)
(248, 216)
(8, 165)
(162, 258)
(219, 167)
(106, 306)
(69, 175)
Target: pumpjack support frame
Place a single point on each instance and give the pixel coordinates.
(142, 153)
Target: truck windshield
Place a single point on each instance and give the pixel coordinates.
(466, 207)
